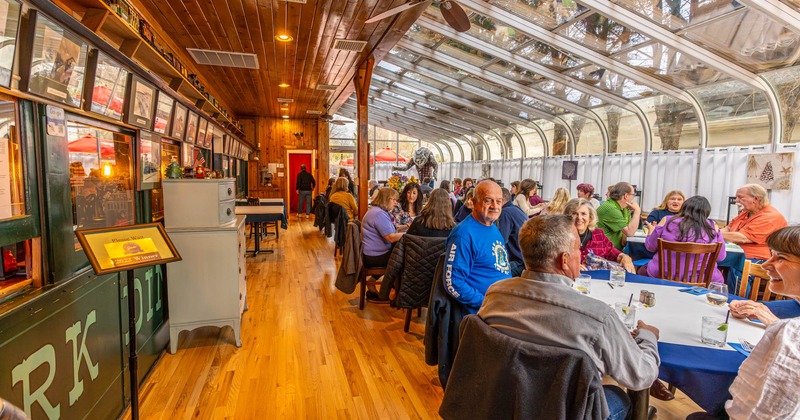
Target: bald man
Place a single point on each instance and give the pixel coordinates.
(476, 252)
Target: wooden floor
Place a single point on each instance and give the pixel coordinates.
(307, 351)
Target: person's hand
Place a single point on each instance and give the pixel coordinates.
(627, 263)
(752, 310)
(642, 326)
(651, 226)
(298, 191)
(633, 206)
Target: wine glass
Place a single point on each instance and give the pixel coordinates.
(717, 293)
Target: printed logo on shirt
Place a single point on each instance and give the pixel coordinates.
(448, 274)
(500, 257)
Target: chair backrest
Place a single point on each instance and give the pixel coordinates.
(687, 262)
(253, 201)
(759, 287)
(419, 265)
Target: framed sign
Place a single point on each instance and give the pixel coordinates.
(149, 173)
(9, 24)
(56, 62)
(120, 248)
(141, 103)
(569, 170)
(210, 141)
(202, 127)
(163, 112)
(178, 127)
(107, 82)
(191, 128)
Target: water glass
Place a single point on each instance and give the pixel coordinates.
(617, 278)
(717, 294)
(626, 314)
(584, 284)
(714, 331)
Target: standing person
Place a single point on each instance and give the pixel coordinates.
(305, 186)
(527, 189)
(619, 216)
(670, 206)
(756, 221)
(586, 191)
(511, 220)
(476, 254)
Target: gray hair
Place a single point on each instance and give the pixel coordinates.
(372, 183)
(506, 195)
(575, 204)
(757, 191)
(543, 238)
(619, 190)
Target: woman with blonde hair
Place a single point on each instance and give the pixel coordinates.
(592, 239)
(436, 218)
(527, 189)
(670, 206)
(557, 204)
(378, 233)
(341, 196)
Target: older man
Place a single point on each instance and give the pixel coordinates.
(476, 253)
(756, 221)
(619, 216)
(541, 307)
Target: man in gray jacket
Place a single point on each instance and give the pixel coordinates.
(541, 307)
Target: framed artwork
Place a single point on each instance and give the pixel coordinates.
(569, 170)
(772, 171)
(178, 127)
(108, 81)
(211, 138)
(163, 112)
(9, 25)
(191, 127)
(57, 60)
(202, 127)
(149, 171)
(141, 103)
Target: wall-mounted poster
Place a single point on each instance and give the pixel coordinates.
(57, 62)
(163, 112)
(141, 103)
(9, 23)
(210, 137)
(772, 171)
(569, 170)
(202, 127)
(179, 120)
(191, 128)
(108, 90)
(149, 161)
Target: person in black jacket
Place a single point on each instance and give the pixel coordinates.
(304, 186)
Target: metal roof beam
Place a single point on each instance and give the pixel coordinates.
(410, 121)
(777, 11)
(420, 119)
(427, 113)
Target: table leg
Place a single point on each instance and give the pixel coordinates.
(640, 404)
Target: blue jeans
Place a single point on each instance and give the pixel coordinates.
(619, 405)
(304, 195)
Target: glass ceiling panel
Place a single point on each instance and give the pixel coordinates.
(750, 39)
(494, 31)
(404, 54)
(545, 13)
(565, 92)
(786, 83)
(391, 67)
(510, 71)
(737, 114)
(481, 84)
(678, 14)
(464, 52)
(603, 34)
(792, 3)
(670, 65)
(549, 56)
(611, 82)
(441, 69)
(533, 103)
(423, 36)
(426, 80)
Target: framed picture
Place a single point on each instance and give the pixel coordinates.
(107, 82)
(56, 59)
(178, 127)
(141, 103)
(202, 127)
(211, 138)
(149, 171)
(191, 127)
(163, 112)
(9, 25)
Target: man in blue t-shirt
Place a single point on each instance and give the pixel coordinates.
(476, 254)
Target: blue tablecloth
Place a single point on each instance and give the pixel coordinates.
(284, 221)
(703, 374)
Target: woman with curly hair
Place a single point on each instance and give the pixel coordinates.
(408, 207)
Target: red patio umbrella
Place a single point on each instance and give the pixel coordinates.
(88, 144)
(388, 155)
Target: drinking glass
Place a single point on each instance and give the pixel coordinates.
(717, 294)
(617, 278)
(584, 284)
(714, 331)
(626, 314)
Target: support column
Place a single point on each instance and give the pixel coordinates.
(361, 81)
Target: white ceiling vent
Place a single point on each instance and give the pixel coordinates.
(295, 1)
(312, 112)
(347, 45)
(224, 58)
(285, 100)
(327, 87)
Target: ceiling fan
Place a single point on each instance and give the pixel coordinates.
(329, 118)
(452, 13)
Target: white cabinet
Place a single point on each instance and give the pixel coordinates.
(208, 287)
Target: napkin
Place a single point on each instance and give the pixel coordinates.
(738, 347)
(694, 290)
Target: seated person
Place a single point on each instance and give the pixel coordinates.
(541, 307)
(556, 205)
(527, 189)
(457, 184)
(476, 254)
(331, 181)
(341, 196)
(466, 209)
(593, 239)
(690, 225)
(378, 233)
(373, 189)
(408, 207)
(425, 187)
(514, 189)
(511, 220)
(669, 207)
(586, 191)
(765, 312)
(756, 221)
(619, 215)
(436, 218)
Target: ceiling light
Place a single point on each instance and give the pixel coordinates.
(285, 117)
(283, 85)
(284, 38)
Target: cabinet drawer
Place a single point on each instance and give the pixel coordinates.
(226, 212)
(227, 191)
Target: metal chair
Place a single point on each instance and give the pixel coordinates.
(759, 288)
(687, 262)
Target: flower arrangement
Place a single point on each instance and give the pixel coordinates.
(399, 181)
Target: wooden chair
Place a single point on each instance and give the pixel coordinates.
(365, 273)
(687, 262)
(759, 289)
(254, 201)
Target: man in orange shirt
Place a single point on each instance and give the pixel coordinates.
(756, 221)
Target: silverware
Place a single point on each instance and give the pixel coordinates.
(746, 345)
(610, 285)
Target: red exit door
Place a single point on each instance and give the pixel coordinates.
(295, 160)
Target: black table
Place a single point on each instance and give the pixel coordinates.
(261, 214)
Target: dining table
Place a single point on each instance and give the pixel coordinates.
(702, 372)
(260, 214)
(270, 202)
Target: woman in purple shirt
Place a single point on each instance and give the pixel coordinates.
(378, 233)
(691, 224)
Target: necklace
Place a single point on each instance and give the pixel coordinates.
(585, 238)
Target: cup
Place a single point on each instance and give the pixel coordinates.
(717, 294)
(714, 331)
(626, 314)
(583, 284)
(617, 278)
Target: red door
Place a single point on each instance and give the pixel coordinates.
(295, 160)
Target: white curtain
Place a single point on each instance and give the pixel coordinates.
(783, 200)
(590, 171)
(667, 171)
(621, 167)
(722, 171)
(532, 168)
(552, 176)
(383, 170)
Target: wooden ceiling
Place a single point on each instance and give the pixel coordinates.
(250, 26)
